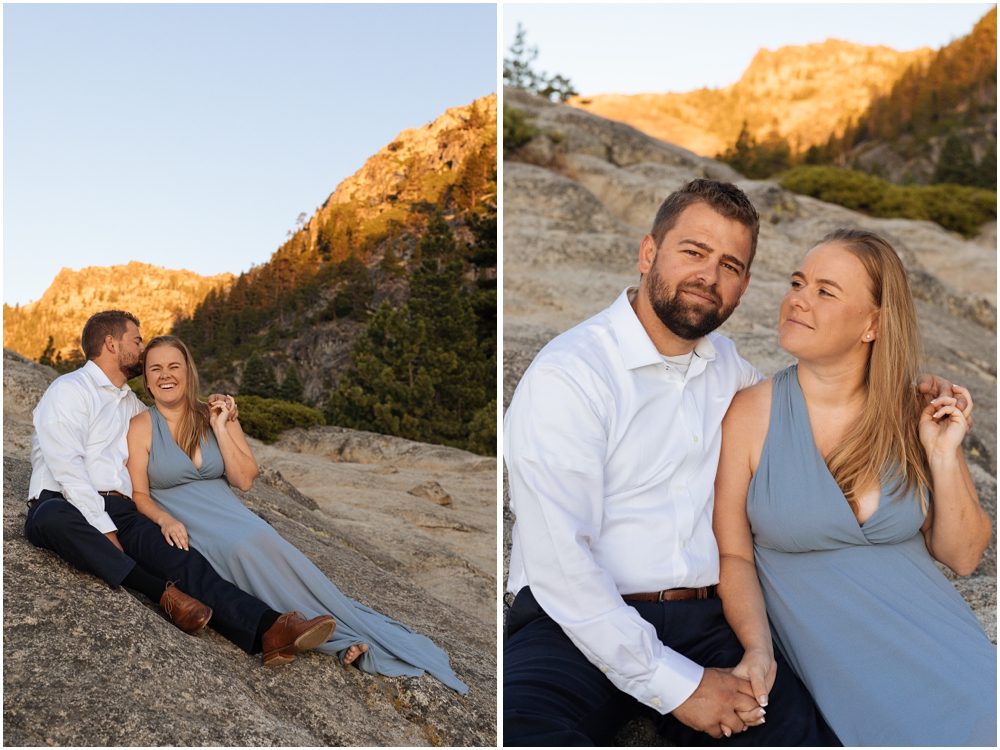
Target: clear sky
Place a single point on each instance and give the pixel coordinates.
(630, 49)
(192, 136)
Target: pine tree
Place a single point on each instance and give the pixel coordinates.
(956, 164)
(258, 379)
(46, 358)
(986, 171)
(291, 387)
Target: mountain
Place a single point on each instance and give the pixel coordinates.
(939, 121)
(400, 261)
(157, 296)
(803, 92)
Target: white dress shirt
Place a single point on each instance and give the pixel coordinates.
(611, 456)
(79, 447)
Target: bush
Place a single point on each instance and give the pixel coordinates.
(516, 129)
(266, 418)
(960, 209)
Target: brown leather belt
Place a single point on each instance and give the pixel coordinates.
(115, 493)
(672, 595)
(52, 493)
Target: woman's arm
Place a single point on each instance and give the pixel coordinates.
(140, 438)
(743, 431)
(957, 529)
(241, 468)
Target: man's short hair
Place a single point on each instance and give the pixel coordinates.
(724, 198)
(100, 326)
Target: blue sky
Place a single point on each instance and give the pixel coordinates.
(192, 136)
(631, 49)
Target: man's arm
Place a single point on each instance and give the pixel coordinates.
(62, 423)
(555, 444)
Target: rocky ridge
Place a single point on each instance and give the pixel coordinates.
(86, 665)
(571, 236)
(805, 92)
(157, 296)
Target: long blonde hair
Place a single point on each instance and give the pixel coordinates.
(194, 422)
(884, 443)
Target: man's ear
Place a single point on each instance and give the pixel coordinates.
(647, 253)
(111, 344)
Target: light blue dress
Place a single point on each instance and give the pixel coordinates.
(890, 651)
(248, 552)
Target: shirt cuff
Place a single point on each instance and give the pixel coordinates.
(672, 683)
(103, 523)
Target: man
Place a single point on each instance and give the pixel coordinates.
(611, 443)
(80, 508)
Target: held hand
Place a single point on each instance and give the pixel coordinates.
(113, 536)
(943, 423)
(174, 532)
(713, 708)
(219, 411)
(759, 668)
(932, 386)
(230, 404)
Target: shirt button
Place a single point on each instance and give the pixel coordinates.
(604, 669)
(655, 702)
(679, 488)
(696, 438)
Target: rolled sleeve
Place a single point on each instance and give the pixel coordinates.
(555, 446)
(62, 423)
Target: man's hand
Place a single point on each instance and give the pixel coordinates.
(230, 403)
(932, 387)
(113, 536)
(712, 708)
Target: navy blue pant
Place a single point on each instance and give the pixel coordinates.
(56, 524)
(553, 696)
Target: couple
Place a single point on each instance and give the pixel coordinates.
(837, 484)
(142, 498)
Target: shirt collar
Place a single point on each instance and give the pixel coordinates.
(101, 380)
(636, 347)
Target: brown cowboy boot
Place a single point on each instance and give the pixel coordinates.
(293, 634)
(187, 613)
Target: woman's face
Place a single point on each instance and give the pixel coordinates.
(828, 312)
(166, 374)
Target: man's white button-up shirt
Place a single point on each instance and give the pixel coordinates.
(79, 446)
(612, 495)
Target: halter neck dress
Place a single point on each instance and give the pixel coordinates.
(890, 651)
(246, 551)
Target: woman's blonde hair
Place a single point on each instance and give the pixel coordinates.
(194, 422)
(884, 443)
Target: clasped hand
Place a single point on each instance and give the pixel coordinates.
(724, 701)
(944, 422)
(221, 410)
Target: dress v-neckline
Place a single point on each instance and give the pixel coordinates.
(812, 438)
(173, 441)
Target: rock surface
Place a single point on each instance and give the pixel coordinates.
(87, 665)
(571, 242)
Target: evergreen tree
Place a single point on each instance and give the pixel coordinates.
(356, 291)
(46, 358)
(420, 372)
(390, 265)
(956, 164)
(258, 379)
(291, 387)
(986, 171)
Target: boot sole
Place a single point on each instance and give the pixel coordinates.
(279, 656)
(316, 636)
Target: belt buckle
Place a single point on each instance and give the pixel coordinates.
(659, 597)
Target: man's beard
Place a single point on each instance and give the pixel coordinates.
(129, 364)
(685, 319)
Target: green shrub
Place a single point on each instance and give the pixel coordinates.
(960, 209)
(516, 129)
(266, 418)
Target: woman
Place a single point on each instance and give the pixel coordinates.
(841, 486)
(184, 455)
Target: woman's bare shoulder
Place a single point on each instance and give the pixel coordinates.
(141, 424)
(751, 408)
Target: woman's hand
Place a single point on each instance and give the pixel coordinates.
(943, 425)
(220, 411)
(174, 532)
(759, 667)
